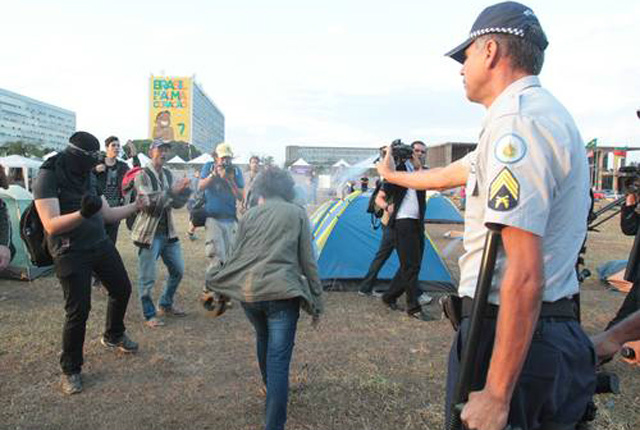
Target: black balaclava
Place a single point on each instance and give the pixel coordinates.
(79, 163)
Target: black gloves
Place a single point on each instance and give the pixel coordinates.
(90, 205)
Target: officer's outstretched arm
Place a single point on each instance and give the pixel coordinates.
(451, 176)
(520, 301)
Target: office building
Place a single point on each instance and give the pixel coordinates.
(32, 121)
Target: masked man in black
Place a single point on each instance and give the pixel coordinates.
(74, 213)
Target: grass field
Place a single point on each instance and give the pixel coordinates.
(363, 368)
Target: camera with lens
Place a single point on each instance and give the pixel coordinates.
(227, 165)
(630, 179)
(400, 152)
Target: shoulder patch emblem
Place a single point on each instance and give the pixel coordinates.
(510, 149)
(504, 191)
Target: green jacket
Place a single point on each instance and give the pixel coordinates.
(271, 259)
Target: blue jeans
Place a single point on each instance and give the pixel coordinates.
(171, 254)
(275, 322)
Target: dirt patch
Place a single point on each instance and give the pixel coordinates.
(364, 368)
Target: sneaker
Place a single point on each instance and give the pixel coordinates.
(71, 384)
(425, 299)
(392, 306)
(154, 322)
(124, 344)
(172, 311)
(364, 293)
(422, 316)
(377, 294)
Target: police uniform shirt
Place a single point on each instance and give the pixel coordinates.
(529, 171)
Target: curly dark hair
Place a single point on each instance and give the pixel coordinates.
(274, 182)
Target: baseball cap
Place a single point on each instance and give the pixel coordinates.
(157, 143)
(507, 18)
(224, 150)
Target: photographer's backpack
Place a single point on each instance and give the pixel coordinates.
(373, 209)
(129, 189)
(33, 235)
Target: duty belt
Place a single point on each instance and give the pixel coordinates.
(563, 308)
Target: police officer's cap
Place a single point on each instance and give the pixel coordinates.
(508, 18)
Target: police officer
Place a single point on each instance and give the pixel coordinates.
(528, 176)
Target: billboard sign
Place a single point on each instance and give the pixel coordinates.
(170, 107)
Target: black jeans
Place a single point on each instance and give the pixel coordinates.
(386, 248)
(112, 231)
(409, 241)
(74, 271)
(630, 305)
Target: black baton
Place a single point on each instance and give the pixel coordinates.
(470, 349)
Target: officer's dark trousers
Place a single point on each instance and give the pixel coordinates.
(630, 305)
(386, 248)
(74, 271)
(409, 241)
(556, 382)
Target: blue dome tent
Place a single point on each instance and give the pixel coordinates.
(441, 210)
(346, 243)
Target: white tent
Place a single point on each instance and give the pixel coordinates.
(300, 163)
(176, 160)
(201, 159)
(341, 163)
(28, 166)
(20, 161)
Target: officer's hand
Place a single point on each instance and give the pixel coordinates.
(5, 256)
(101, 168)
(90, 205)
(606, 346)
(484, 411)
(386, 165)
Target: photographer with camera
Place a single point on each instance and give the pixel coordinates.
(405, 208)
(223, 185)
(629, 223)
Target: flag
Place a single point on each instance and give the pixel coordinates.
(592, 143)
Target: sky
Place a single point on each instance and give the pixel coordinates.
(324, 73)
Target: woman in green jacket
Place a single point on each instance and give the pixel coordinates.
(272, 271)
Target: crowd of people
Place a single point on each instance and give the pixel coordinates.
(528, 179)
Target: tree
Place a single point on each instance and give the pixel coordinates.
(185, 150)
(25, 149)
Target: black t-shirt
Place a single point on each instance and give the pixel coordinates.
(88, 234)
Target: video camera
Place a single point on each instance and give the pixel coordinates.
(400, 152)
(631, 179)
